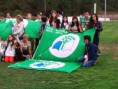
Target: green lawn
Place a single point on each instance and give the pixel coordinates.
(104, 75)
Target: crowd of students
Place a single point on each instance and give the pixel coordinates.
(20, 47)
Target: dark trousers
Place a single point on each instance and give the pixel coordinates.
(96, 41)
(88, 63)
(36, 42)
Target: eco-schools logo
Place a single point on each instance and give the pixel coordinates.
(47, 64)
(64, 45)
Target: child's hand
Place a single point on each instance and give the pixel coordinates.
(86, 60)
(15, 41)
(95, 28)
(4, 43)
(69, 30)
(24, 56)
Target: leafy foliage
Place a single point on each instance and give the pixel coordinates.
(70, 7)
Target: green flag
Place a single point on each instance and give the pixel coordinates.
(13, 20)
(3, 21)
(60, 45)
(47, 65)
(58, 50)
(5, 30)
(31, 28)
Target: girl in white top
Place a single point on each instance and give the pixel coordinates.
(10, 49)
(18, 29)
(65, 23)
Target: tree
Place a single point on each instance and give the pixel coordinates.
(70, 7)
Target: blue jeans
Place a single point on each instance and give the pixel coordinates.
(21, 37)
(88, 63)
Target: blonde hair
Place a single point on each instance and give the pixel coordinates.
(25, 35)
(19, 17)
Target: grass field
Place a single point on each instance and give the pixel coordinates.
(104, 75)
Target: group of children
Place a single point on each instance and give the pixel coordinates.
(12, 50)
(18, 46)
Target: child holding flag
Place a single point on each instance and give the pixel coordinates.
(75, 26)
(65, 23)
(94, 23)
(44, 22)
(90, 53)
(84, 21)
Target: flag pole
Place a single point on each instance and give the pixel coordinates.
(105, 13)
(94, 6)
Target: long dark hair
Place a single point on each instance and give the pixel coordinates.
(62, 25)
(77, 23)
(8, 41)
(56, 20)
(52, 18)
(91, 22)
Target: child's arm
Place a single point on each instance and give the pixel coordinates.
(80, 28)
(40, 34)
(21, 49)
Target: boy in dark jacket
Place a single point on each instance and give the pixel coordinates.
(90, 53)
(43, 25)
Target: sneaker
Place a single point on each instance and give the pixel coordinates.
(98, 54)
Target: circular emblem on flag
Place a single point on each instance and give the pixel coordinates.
(47, 64)
(64, 45)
